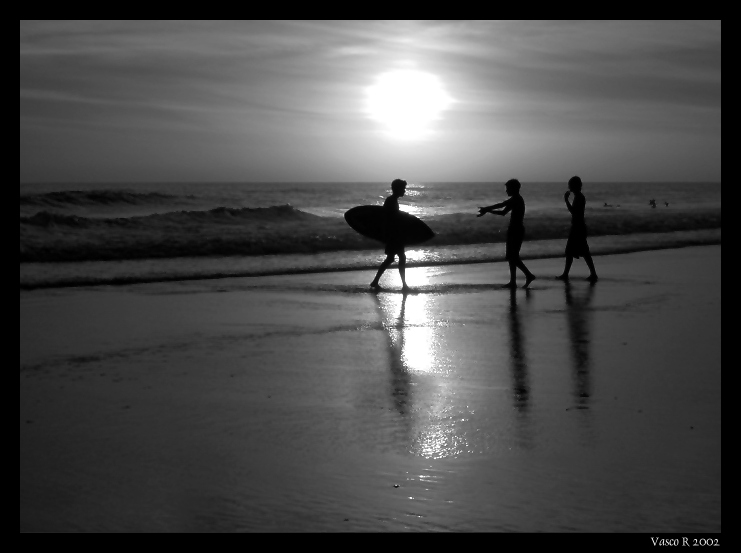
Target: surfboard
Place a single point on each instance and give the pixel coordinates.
(368, 220)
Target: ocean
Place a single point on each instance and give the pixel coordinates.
(105, 234)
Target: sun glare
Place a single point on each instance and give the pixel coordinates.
(407, 102)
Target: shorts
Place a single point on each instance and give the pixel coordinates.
(515, 237)
(394, 248)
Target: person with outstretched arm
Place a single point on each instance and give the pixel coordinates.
(515, 232)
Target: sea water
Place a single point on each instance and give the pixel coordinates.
(88, 234)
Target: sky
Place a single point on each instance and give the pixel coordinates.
(318, 101)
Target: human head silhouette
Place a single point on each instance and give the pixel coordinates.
(398, 186)
(575, 184)
(512, 186)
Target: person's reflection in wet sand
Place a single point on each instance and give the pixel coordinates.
(519, 372)
(579, 314)
(400, 378)
(418, 392)
(520, 386)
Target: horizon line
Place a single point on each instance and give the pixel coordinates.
(209, 182)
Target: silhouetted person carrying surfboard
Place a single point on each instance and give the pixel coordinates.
(577, 246)
(394, 244)
(515, 232)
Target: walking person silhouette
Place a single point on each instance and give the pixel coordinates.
(394, 245)
(515, 231)
(577, 246)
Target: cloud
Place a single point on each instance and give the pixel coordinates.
(283, 81)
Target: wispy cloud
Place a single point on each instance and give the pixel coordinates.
(258, 77)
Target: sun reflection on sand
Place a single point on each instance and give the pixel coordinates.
(406, 319)
(421, 390)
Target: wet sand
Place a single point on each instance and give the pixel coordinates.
(308, 403)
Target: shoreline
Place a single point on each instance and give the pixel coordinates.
(188, 269)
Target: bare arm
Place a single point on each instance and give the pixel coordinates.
(491, 209)
(568, 203)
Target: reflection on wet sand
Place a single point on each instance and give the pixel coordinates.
(400, 377)
(518, 369)
(432, 415)
(419, 389)
(579, 314)
(579, 317)
(520, 384)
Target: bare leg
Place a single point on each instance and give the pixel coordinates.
(567, 268)
(402, 270)
(512, 274)
(385, 265)
(592, 272)
(529, 277)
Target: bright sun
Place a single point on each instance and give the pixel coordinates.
(407, 102)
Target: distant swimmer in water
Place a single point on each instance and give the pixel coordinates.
(666, 204)
(394, 246)
(608, 205)
(577, 246)
(652, 203)
(515, 232)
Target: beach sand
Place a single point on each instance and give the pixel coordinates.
(308, 403)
